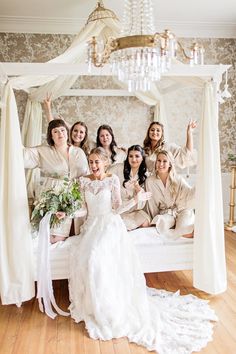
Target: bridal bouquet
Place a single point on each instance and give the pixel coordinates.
(65, 197)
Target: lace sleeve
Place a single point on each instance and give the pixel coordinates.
(115, 195)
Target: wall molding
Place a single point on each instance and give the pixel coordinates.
(21, 24)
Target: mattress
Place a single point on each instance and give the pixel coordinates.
(156, 253)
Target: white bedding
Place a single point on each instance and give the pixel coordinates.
(157, 255)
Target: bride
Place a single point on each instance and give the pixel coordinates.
(107, 287)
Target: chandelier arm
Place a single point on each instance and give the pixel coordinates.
(109, 47)
(183, 51)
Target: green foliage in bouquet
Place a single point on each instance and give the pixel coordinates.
(64, 197)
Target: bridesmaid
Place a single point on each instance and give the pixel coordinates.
(105, 139)
(132, 175)
(154, 142)
(170, 207)
(57, 160)
(78, 131)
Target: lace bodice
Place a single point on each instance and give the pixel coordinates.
(101, 196)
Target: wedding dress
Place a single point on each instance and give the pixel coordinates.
(108, 289)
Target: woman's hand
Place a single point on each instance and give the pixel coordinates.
(60, 215)
(191, 126)
(48, 101)
(189, 142)
(137, 187)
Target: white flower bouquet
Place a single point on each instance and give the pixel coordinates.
(65, 197)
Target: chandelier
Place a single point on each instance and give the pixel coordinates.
(139, 56)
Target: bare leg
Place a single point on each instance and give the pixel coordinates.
(146, 224)
(55, 238)
(189, 235)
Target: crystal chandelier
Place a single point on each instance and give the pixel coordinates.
(140, 55)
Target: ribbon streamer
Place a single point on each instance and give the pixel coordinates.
(45, 294)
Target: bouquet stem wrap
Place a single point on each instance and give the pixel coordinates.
(45, 292)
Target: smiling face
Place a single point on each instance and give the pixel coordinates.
(105, 138)
(163, 164)
(97, 165)
(59, 135)
(78, 134)
(135, 159)
(155, 133)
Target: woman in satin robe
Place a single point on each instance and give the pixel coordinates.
(154, 142)
(56, 161)
(132, 175)
(171, 205)
(106, 139)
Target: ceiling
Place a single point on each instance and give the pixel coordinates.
(199, 18)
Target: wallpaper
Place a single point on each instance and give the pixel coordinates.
(128, 116)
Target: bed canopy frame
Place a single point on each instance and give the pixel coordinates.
(57, 76)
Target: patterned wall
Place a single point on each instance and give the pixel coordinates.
(127, 115)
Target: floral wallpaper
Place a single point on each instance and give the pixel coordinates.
(128, 116)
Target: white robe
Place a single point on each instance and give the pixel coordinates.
(134, 217)
(167, 210)
(55, 167)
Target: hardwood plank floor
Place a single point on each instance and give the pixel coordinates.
(26, 330)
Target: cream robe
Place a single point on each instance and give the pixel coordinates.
(135, 216)
(167, 211)
(182, 156)
(55, 167)
(120, 156)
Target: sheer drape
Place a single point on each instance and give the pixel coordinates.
(16, 253)
(209, 251)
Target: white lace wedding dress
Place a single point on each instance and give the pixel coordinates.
(108, 290)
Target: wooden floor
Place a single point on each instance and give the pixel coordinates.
(27, 331)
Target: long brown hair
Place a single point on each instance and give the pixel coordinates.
(147, 145)
(113, 142)
(84, 143)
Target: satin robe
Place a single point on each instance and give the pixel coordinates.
(134, 217)
(172, 215)
(54, 167)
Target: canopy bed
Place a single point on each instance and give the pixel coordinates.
(205, 254)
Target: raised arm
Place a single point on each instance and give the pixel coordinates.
(189, 141)
(47, 103)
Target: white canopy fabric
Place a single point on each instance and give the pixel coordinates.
(209, 250)
(14, 220)
(16, 252)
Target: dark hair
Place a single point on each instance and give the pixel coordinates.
(56, 123)
(142, 168)
(147, 141)
(84, 143)
(113, 142)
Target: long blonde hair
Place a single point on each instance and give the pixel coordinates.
(173, 177)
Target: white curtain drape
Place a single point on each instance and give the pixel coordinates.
(16, 253)
(209, 250)
(31, 134)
